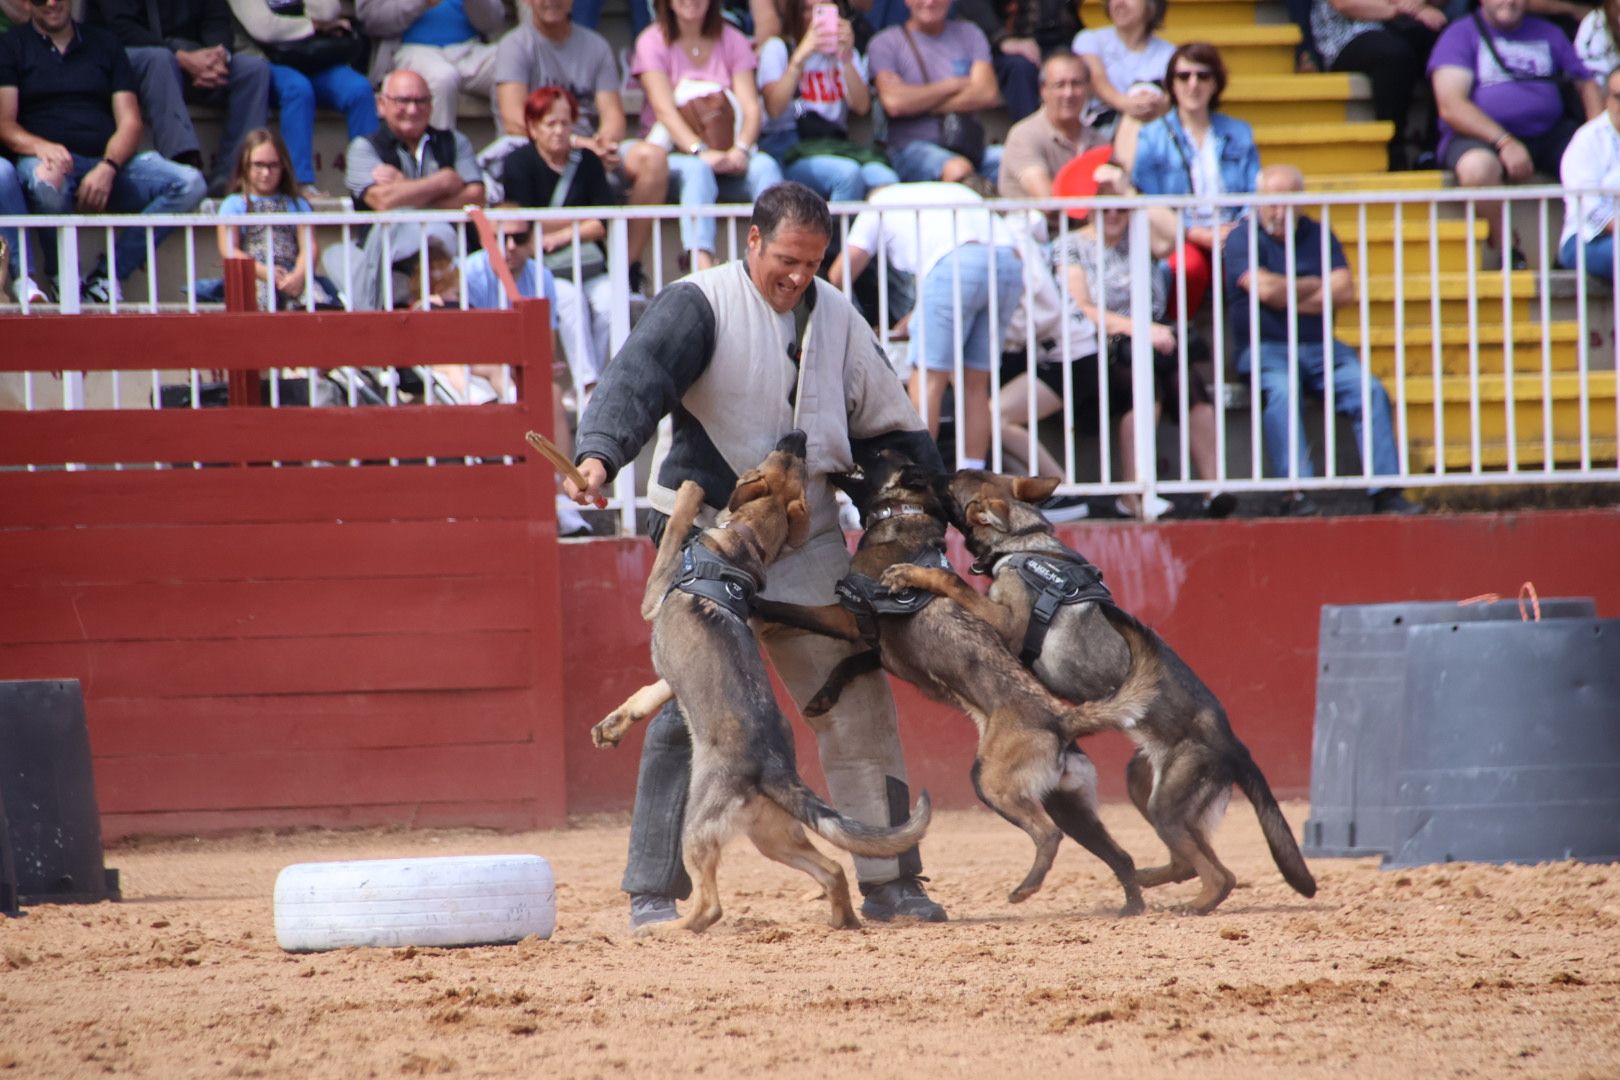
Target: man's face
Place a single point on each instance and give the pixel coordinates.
(783, 267)
(551, 12)
(405, 104)
(51, 17)
(1274, 216)
(1503, 14)
(1065, 88)
(519, 245)
(929, 12)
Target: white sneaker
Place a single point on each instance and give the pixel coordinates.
(1160, 506)
(28, 289)
(102, 290)
(570, 522)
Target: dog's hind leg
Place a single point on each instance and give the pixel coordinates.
(1139, 782)
(783, 839)
(713, 806)
(1073, 808)
(1217, 880)
(1005, 788)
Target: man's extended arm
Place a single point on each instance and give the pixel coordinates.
(665, 354)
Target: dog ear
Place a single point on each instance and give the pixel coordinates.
(991, 512)
(798, 516)
(1034, 489)
(751, 485)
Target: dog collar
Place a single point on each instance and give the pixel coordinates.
(889, 510)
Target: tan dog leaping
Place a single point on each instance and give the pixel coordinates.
(744, 775)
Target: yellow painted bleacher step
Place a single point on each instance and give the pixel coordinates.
(1325, 148)
(1253, 49)
(1526, 337)
(1453, 295)
(1528, 394)
(1450, 252)
(1298, 99)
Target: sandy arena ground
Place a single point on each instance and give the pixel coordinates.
(1445, 971)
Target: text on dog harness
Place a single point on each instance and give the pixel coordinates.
(1055, 583)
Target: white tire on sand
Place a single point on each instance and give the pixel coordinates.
(453, 900)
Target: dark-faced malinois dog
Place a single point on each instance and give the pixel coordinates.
(744, 776)
(1045, 602)
(1027, 768)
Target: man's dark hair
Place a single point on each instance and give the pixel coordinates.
(789, 203)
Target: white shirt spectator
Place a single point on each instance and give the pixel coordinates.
(1125, 68)
(916, 240)
(1591, 162)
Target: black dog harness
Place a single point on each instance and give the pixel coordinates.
(866, 599)
(1056, 582)
(705, 574)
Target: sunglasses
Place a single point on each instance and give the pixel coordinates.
(45, 3)
(1184, 75)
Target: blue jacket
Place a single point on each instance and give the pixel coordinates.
(1164, 155)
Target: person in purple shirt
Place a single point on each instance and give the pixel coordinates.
(1496, 78)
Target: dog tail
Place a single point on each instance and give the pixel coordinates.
(1279, 837)
(784, 788)
(1126, 707)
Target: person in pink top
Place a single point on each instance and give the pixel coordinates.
(690, 51)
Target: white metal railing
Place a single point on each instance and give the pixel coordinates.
(1479, 422)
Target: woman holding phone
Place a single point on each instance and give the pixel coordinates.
(812, 78)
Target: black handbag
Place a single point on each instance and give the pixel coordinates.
(960, 133)
(320, 52)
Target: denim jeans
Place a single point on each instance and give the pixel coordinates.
(917, 161)
(699, 186)
(295, 94)
(933, 328)
(12, 204)
(834, 178)
(1346, 401)
(1599, 256)
(147, 184)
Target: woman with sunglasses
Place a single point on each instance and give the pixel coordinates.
(1196, 150)
(691, 44)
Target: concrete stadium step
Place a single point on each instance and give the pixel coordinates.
(1253, 49)
(1451, 244)
(1200, 15)
(1415, 180)
(1525, 336)
(1299, 99)
(1529, 429)
(1417, 290)
(1325, 148)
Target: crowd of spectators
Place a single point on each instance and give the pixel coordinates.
(736, 96)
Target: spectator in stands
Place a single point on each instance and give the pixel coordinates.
(1195, 150)
(13, 204)
(1022, 34)
(68, 112)
(1502, 114)
(968, 254)
(1592, 163)
(447, 42)
(1098, 280)
(1597, 42)
(810, 87)
(690, 53)
(323, 45)
(406, 164)
(1311, 293)
(558, 51)
(1038, 146)
(924, 69)
(1386, 40)
(534, 174)
(181, 52)
(263, 183)
(1127, 61)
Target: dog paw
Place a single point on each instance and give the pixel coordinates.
(1133, 906)
(1019, 895)
(898, 577)
(608, 731)
(820, 705)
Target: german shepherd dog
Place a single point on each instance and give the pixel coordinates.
(1187, 757)
(1027, 768)
(744, 776)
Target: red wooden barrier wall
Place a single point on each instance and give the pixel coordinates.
(266, 645)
